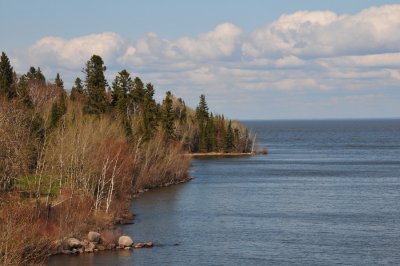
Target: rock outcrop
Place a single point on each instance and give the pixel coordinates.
(125, 241)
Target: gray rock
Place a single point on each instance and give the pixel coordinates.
(125, 241)
(93, 236)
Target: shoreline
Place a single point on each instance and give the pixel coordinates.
(219, 154)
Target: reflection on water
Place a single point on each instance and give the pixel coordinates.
(328, 193)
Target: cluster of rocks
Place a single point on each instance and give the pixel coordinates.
(95, 242)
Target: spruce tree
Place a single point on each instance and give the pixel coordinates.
(77, 90)
(137, 93)
(58, 81)
(167, 119)
(149, 112)
(95, 86)
(121, 85)
(58, 109)
(211, 141)
(7, 86)
(229, 138)
(35, 75)
(202, 117)
(202, 109)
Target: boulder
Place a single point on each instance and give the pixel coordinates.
(94, 237)
(144, 245)
(73, 243)
(125, 241)
(139, 245)
(90, 247)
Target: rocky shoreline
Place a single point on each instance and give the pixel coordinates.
(95, 241)
(107, 239)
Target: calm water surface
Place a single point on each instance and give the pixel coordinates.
(327, 194)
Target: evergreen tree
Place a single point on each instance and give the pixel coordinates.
(58, 109)
(181, 111)
(211, 140)
(95, 85)
(168, 116)
(229, 138)
(34, 75)
(23, 92)
(121, 85)
(58, 81)
(220, 133)
(7, 86)
(202, 109)
(77, 90)
(202, 117)
(149, 112)
(137, 94)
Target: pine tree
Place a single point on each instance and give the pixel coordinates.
(211, 141)
(34, 75)
(149, 112)
(229, 138)
(58, 109)
(220, 133)
(77, 90)
(202, 109)
(202, 117)
(137, 95)
(7, 86)
(121, 85)
(58, 81)
(168, 116)
(95, 85)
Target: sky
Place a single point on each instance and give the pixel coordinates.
(252, 59)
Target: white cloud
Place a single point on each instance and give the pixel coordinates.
(75, 52)
(314, 34)
(307, 51)
(218, 43)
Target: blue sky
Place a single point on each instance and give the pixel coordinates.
(252, 59)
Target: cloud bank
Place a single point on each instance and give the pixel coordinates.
(299, 53)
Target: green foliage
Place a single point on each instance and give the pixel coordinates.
(202, 109)
(77, 90)
(35, 75)
(202, 117)
(58, 109)
(95, 85)
(167, 119)
(7, 86)
(120, 87)
(29, 183)
(229, 138)
(58, 81)
(150, 112)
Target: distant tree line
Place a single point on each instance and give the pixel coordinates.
(132, 103)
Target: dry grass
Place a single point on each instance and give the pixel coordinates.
(160, 163)
(22, 241)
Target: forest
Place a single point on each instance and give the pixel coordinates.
(71, 159)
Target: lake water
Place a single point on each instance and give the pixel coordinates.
(328, 193)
